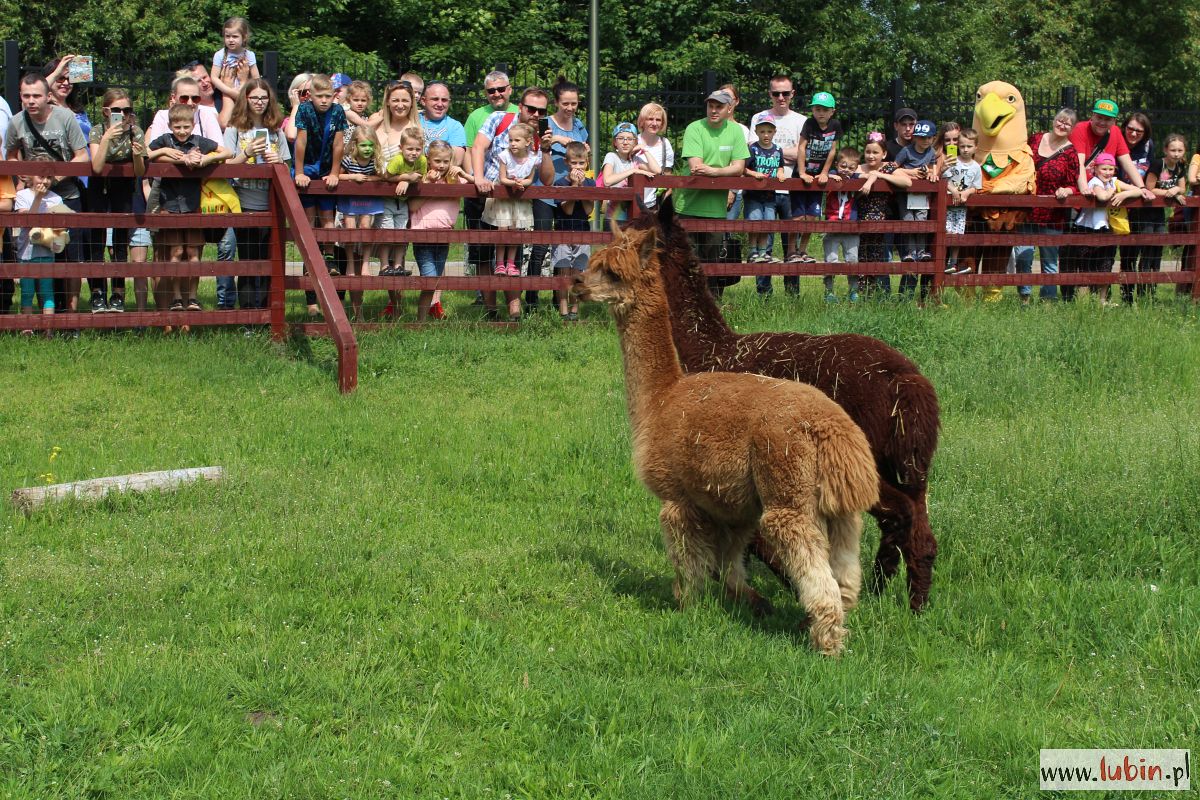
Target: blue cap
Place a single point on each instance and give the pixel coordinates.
(925, 128)
(340, 79)
(624, 127)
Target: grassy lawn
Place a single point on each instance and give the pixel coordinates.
(449, 584)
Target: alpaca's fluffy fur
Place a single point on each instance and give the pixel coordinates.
(735, 456)
(881, 390)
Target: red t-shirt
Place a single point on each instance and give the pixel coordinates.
(1085, 140)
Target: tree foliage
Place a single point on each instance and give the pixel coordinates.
(858, 45)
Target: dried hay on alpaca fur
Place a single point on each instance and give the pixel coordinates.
(734, 456)
(878, 386)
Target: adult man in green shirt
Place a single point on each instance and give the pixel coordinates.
(714, 147)
(499, 90)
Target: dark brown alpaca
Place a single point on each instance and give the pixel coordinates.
(881, 390)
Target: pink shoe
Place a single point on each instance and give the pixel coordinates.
(513, 270)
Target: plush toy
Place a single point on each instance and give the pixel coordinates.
(1007, 164)
(56, 239)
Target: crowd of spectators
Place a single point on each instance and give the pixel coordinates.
(331, 132)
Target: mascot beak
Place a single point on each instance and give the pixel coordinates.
(994, 113)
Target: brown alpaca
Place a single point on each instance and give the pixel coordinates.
(881, 390)
(735, 456)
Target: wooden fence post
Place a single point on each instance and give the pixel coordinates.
(277, 253)
(940, 207)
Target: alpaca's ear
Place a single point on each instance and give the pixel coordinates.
(647, 245)
(666, 212)
(614, 227)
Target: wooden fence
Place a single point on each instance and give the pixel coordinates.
(287, 222)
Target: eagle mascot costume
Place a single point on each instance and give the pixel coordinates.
(1007, 163)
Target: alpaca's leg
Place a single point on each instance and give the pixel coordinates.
(731, 561)
(894, 512)
(845, 532)
(687, 536)
(804, 552)
(919, 556)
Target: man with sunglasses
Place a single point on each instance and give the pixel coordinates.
(788, 124)
(498, 89)
(491, 139)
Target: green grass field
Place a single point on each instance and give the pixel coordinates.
(449, 584)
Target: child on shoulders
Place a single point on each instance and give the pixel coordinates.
(234, 64)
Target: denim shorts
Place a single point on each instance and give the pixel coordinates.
(322, 202)
(806, 204)
(141, 238)
(760, 210)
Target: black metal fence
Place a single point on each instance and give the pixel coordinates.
(621, 97)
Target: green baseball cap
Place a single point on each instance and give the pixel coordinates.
(823, 99)
(1105, 108)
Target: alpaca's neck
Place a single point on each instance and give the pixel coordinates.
(651, 366)
(699, 329)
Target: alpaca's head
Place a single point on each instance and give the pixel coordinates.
(623, 273)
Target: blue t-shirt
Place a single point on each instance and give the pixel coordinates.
(767, 161)
(577, 220)
(333, 120)
(558, 151)
(909, 158)
(448, 130)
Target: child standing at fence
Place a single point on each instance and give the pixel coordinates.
(1108, 192)
(815, 151)
(319, 145)
(765, 163)
(840, 207)
(946, 145)
(407, 167)
(363, 162)
(876, 207)
(1166, 176)
(35, 198)
(117, 139)
(621, 164)
(517, 165)
(234, 58)
(435, 213)
(183, 148)
(963, 177)
(571, 215)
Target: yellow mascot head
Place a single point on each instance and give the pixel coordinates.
(1000, 120)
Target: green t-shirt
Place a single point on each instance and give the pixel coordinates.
(478, 117)
(716, 147)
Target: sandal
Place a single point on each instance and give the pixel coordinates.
(176, 305)
(194, 305)
(805, 258)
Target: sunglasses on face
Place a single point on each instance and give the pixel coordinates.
(535, 109)
(189, 98)
(497, 90)
(781, 94)
(122, 109)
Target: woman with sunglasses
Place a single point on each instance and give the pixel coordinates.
(117, 139)
(1057, 169)
(91, 240)
(298, 92)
